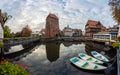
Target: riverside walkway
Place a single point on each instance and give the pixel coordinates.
(12, 41)
(17, 41)
(26, 40)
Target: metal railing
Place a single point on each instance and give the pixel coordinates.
(17, 41)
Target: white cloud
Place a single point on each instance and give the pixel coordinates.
(72, 12)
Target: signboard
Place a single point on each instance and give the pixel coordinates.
(1, 32)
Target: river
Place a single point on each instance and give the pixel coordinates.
(53, 59)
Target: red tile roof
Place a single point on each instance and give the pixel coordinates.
(92, 22)
(52, 15)
(75, 30)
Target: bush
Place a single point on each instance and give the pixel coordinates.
(16, 39)
(1, 43)
(8, 68)
(6, 39)
(115, 44)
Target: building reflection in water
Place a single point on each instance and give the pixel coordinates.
(6, 49)
(67, 44)
(107, 51)
(11, 49)
(100, 47)
(20, 51)
(52, 51)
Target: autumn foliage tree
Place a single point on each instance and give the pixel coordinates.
(26, 31)
(115, 8)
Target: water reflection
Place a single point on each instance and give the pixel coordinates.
(53, 58)
(39, 60)
(107, 51)
(102, 48)
(52, 51)
(6, 49)
(17, 52)
(13, 49)
(67, 44)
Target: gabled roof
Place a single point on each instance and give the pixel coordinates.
(76, 30)
(92, 22)
(52, 15)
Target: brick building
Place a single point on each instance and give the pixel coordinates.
(77, 32)
(113, 31)
(93, 27)
(26, 31)
(52, 26)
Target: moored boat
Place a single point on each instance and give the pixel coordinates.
(86, 65)
(99, 56)
(89, 58)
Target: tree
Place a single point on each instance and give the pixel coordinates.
(115, 8)
(4, 17)
(17, 34)
(26, 31)
(7, 32)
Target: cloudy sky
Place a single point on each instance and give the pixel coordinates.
(74, 13)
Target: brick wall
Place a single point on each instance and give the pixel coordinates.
(52, 26)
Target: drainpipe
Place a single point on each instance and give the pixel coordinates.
(118, 53)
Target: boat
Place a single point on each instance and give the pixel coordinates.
(86, 65)
(89, 58)
(99, 56)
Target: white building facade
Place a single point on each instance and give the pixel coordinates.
(68, 32)
(106, 36)
(36, 34)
